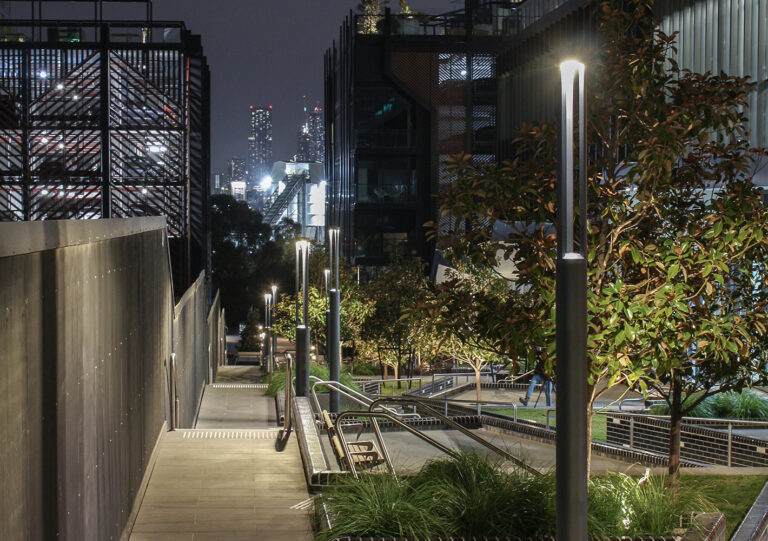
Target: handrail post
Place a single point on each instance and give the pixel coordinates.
(632, 432)
(288, 385)
(730, 443)
(285, 432)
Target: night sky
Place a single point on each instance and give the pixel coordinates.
(261, 52)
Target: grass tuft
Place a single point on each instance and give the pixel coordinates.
(472, 497)
(277, 384)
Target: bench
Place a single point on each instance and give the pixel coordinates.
(364, 454)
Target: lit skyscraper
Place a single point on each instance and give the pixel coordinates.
(311, 137)
(259, 143)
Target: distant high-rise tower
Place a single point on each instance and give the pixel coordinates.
(311, 137)
(259, 143)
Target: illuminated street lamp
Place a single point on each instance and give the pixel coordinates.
(266, 351)
(273, 347)
(302, 325)
(571, 319)
(333, 336)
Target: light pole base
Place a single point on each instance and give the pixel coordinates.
(302, 361)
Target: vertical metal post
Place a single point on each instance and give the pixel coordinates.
(273, 342)
(267, 353)
(333, 339)
(106, 190)
(571, 325)
(302, 326)
(730, 444)
(631, 432)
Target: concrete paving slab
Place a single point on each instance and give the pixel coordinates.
(224, 489)
(247, 408)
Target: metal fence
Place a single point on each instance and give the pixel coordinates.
(726, 442)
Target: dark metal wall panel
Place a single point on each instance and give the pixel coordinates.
(714, 35)
(86, 333)
(724, 35)
(190, 344)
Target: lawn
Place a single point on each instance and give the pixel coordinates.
(732, 494)
(540, 416)
(391, 389)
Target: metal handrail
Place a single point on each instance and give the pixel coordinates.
(285, 432)
(373, 415)
(513, 380)
(350, 393)
(456, 426)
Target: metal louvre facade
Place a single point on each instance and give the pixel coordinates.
(724, 35)
(107, 120)
(713, 35)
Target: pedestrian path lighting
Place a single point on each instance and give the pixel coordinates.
(571, 318)
(267, 351)
(302, 325)
(333, 336)
(273, 345)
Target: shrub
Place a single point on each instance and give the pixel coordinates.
(381, 506)
(320, 371)
(747, 404)
(470, 496)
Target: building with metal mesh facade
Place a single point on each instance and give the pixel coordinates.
(107, 120)
(402, 94)
(714, 35)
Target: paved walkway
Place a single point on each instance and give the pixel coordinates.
(224, 481)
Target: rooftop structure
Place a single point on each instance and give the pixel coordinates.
(107, 120)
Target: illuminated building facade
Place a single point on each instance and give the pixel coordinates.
(259, 143)
(107, 120)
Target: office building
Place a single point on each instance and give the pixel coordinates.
(401, 96)
(107, 120)
(713, 37)
(259, 161)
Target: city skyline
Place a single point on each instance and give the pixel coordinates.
(260, 53)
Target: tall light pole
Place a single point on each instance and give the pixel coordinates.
(333, 338)
(273, 346)
(571, 319)
(267, 356)
(302, 325)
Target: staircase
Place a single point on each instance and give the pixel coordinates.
(292, 187)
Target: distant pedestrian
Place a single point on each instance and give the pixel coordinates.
(540, 377)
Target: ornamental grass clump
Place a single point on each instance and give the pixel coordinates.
(320, 371)
(471, 496)
(380, 505)
(620, 505)
(747, 404)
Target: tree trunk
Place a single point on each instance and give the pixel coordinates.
(675, 424)
(589, 439)
(397, 376)
(478, 386)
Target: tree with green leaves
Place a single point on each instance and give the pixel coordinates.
(354, 306)
(247, 256)
(467, 314)
(370, 15)
(677, 244)
(385, 334)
